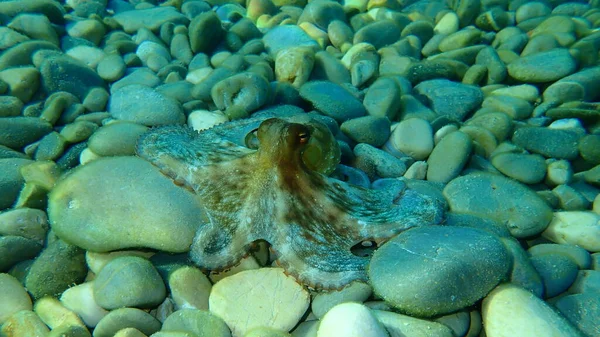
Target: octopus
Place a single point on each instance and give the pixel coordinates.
(268, 178)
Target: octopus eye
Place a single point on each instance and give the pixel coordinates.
(303, 137)
(251, 140)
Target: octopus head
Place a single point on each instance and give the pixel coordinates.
(298, 143)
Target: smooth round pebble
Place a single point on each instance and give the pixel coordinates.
(14, 249)
(123, 318)
(266, 332)
(80, 299)
(190, 288)
(196, 322)
(541, 67)
(377, 163)
(129, 281)
(14, 297)
(350, 320)
(324, 301)
(402, 325)
(451, 99)
(411, 271)
(371, 130)
(510, 311)
(25, 222)
(579, 228)
(449, 157)
(550, 143)
(59, 266)
(413, 137)
(24, 323)
(578, 255)
(279, 302)
(332, 100)
(557, 272)
(116, 139)
(248, 91)
(582, 310)
(144, 105)
(123, 202)
(501, 199)
(525, 168)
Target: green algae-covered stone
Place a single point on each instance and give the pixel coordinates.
(123, 202)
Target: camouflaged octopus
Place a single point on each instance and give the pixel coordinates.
(275, 187)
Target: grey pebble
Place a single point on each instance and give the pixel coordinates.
(286, 36)
(569, 199)
(123, 318)
(54, 68)
(578, 255)
(582, 310)
(10, 106)
(150, 18)
(15, 249)
(141, 76)
(447, 98)
(417, 262)
(116, 139)
(196, 322)
(523, 273)
(78, 131)
(128, 281)
(111, 68)
(514, 107)
(550, 143)
(377, 163)
(17, 132)
(144, 105)
(557, 271)
(50, 147)
(546, 66)
(371, 130)
(525, 168)
(332, 100)
(499, 198)
(11, 180)
(246, 90)
(383, 98)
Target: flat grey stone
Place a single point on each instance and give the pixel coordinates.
(447, 98)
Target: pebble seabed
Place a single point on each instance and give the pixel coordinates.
(487, 105)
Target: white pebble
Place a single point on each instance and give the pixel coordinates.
(350, 320)
(576, 228)
(13, 297)
(80, 299)
(203, 119)
(510, 311)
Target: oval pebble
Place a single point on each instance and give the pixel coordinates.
(324, 301)
(261, 297)
(449, 157)
(128, 281)
(350, 320)
(197, 323)
(123, 318)
(525, 168)
(190, 288)
(332, 100)
(413, 137)
(499, 198)
(550, 143)
(557, 272)
(144, 105)
(246, 90)
(578, 255)
(510, 311)
(545, 66)
(89, 206)
(371, 130)
(14, 297)
(80, 299)
(116, 139)
(428, 271)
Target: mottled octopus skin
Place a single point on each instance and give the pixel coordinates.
(311, 220)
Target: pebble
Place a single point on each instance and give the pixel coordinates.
(190, 288)
(15, 249)
(116, 139)
(559, 172)
(581, 310)
(205, 22)
(18, 132)
(58, 266)
(403, 325)
(413, 137)
(578, 255)
(55, 67)
(11, 181)
(90, 56)
(203, 119)
(111, 68)
(55, 315)
(515, 107)
(523, 273)
(128, 281)
(371, 130)
(23, 82)
(332, 100)
(324, 301)
(428, 255)
(80, 299)
(279, 302)
(150, 18)
(283, 37)
(50, 147)
(144, 105)
(501, 199)
(451, 99)
(557, 272)
(350, 320)
(266, 332)
(589, 148)
(25, 222)
(14, 298)
(294, 65)
(587, 281)
(383, 98)
(123, 318)
(449, 157)
(377, 163)
(512, 311)
(120, 188)
(378, 33)
(247, 91)
(581, 228)
(569, 199)
(542, 67)
(196, 323)
(35, 26)
(10, 106)
(525, 168)
(550, 143)
(24, 323)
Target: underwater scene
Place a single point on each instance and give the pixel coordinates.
(306, 168)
